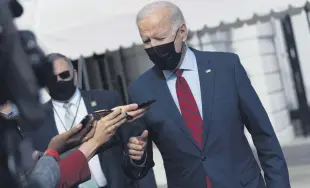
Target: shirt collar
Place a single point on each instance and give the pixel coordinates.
(188, 64)
(74, 99)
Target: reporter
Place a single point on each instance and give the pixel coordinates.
(47, 171)
(74, 168)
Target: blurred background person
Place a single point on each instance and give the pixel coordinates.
(46, 171)
(198, 120)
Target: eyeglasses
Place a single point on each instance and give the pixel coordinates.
(64, 75)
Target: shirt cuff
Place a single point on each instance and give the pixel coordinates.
(139, 165)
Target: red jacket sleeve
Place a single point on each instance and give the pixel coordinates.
(73, 170)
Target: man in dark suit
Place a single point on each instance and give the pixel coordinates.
(68, 107)
(204, 99)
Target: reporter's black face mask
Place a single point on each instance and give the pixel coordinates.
(164, 56)
(62, 90)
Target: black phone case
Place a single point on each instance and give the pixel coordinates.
(101, 113)
(86, 120)
(146, 103)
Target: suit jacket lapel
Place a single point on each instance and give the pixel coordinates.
(206, 77)
(90, 103)
(162, 91)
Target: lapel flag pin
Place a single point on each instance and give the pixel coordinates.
(93, 103)
(208, 71)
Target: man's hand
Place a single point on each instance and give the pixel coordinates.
(71, 138)
(137, 146)
(133, 111)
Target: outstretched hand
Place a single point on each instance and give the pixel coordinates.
(72, 138)
(108, 125)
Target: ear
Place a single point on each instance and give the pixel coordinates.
(184, 32)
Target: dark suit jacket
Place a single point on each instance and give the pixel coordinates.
(111, 158)
(229, 102)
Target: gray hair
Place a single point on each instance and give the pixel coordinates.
(51, 58)
(177, 18)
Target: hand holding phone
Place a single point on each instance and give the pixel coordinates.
(87, 121)
(102, 113)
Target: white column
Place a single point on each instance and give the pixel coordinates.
(256, 48)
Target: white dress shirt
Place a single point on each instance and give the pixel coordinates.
(78, 108)
(191, 75)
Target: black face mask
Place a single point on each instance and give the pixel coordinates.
(164, 56)
(62, 90)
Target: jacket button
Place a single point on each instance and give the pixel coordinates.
(203, 158)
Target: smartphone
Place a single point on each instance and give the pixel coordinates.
(86, 120)
(102, 113)
(146, 104)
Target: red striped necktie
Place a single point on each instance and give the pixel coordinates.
(190, 111)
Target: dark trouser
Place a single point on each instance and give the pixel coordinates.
(148, 181)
